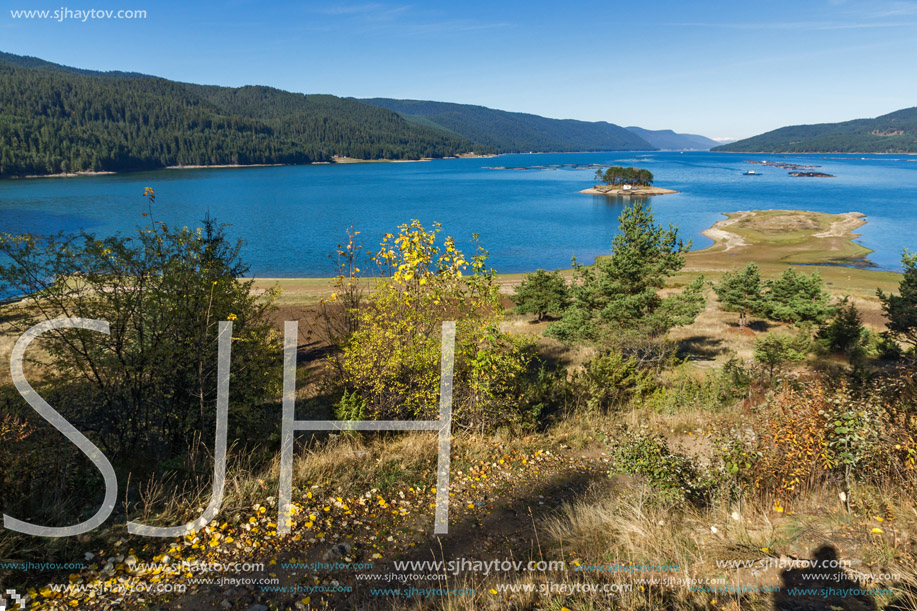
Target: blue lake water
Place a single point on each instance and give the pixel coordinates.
(291, 218)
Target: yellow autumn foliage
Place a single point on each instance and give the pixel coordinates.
(392, 361)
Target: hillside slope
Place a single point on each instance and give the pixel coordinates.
(892, 133)
(55, 119)
(515, 132)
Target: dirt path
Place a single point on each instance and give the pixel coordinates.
(727, 239)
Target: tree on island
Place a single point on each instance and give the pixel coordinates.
(541, 293)
(617, 175)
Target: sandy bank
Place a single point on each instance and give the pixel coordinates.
(727, 239)
(225, 165)
(63, 175)
(618, 191)
(355, 160)
(848, 222)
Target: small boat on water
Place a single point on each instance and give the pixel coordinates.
(751, 173)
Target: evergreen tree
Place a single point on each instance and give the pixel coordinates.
(616, 175)
(774, 350)
(541, 293)
(741, 291)
(901, 309)
(62, 121)
(797, 298)
(845, 333)
(621, 291)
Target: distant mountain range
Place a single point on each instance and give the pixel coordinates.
(58, 119)
(516, 132)
(892, 133)
(667, 140)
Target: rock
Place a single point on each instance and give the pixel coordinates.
(258, 608)
(337, 551)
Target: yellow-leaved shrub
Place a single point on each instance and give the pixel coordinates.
(392, 361)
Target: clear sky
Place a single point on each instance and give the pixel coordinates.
(719, 68)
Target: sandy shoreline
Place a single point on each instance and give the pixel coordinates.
(727, 239)
(225, 165)
(64, 175)
(617, 192)
(335, 160)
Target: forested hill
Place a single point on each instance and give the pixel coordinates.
(25, 61)
(59, 119)
(668, 140)
(892, 133)
(515, 132)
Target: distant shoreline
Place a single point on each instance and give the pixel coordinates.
(335, 160)
(809, 153)
(61, 175)
(224, 165)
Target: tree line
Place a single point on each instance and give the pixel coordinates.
(58, 122)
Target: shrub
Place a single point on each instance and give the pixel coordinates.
(392, 360)
(674, 475)
(340, 315)
(611, 379)
(823, 431)
(888, 348)
(603, 383)
(687, 391)
(350, 407)
(151, 384)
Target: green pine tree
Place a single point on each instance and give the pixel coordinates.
(621, 291)
(901, 309)
(797, 298)
(741, 291)
(845, 332)
(541, 293)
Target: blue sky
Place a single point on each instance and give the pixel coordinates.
(722, 69)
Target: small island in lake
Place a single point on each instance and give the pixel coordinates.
(811, 174)
(620, 181)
